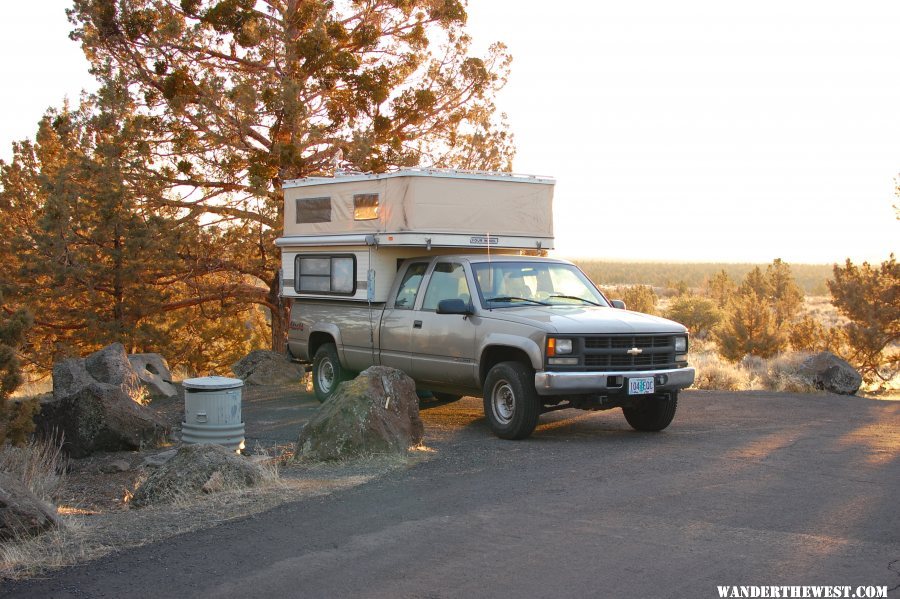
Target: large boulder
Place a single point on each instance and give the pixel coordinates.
(98, 414)
(263, 367)
(828, 372)
(375, 413)
(110, 365)
(21, 513)
(153, 372)
(197, 469)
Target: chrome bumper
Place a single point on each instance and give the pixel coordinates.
(564, 383)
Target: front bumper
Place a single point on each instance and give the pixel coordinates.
(576, 383)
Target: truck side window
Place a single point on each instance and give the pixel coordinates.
(409, 286)
(448, 281)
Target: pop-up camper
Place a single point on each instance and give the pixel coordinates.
(344, 237)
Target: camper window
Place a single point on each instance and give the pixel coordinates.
(329, 275)
(365, 206)
(313, 210)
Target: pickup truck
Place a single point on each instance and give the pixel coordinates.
(528, 334)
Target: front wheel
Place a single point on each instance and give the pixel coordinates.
(511, 404)
(327, 372)
(652, 414)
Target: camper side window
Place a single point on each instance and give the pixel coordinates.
(313, 210)
(328, 275)
(365, 206)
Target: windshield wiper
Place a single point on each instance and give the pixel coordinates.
(512, 298)
(575, 297)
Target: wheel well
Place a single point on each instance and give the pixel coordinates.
(317, 340)
(500, 353)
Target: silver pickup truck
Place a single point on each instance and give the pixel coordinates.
(529, 335)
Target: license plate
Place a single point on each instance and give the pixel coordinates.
(641, 386)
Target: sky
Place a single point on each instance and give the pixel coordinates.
(677, 131)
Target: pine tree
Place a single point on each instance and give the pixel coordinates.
(782, 289)
(91, 248)
(758, 314)
(749, 327)
(720, 288)
(15, 418)
(245, 95)
(870, 297)
(699, 314)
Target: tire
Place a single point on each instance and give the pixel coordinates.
(327, 372)
(653, 413)
(446, 397)
(511, 405)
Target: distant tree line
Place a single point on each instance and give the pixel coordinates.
(670, 275)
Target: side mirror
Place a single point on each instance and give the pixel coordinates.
(454, 306)
(619, 304)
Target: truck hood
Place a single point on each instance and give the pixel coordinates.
(586, 320)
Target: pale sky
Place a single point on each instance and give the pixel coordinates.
(679, 131)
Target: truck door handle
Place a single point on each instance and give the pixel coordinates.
(417, 324)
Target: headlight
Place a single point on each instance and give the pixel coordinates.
(680, 345)
(556, 347)
(563, 346)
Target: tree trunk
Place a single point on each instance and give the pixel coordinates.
(281, 315)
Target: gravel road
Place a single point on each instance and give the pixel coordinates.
(742, 489)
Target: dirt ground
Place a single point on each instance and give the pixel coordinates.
(94, 499)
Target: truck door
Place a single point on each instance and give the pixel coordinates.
(397, 322)
(443, 345)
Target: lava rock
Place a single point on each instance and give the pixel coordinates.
(153, 372)
(198, 469)
(263, 367)
(375, 413)
(110, 365)
(95, 414)
(828, 372)
(22, 514)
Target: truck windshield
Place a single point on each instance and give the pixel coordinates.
(507, 284)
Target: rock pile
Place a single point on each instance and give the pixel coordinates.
(94, 406)
(198, 469)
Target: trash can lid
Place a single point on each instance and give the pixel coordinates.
(211, 383)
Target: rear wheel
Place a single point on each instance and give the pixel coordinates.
(327, 372)
(511, 404)
(652, 414)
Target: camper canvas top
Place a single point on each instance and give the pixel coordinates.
(422, 208)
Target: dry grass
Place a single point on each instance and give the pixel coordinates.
(713, 371)
(33, 387)
(88, 536)
(820, 308)
(40, 465)
(751, 374)
(56, 548)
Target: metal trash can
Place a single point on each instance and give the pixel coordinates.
(212, 412)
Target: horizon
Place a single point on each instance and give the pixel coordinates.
(647, 116)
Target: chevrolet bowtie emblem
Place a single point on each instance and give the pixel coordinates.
(634, 351)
